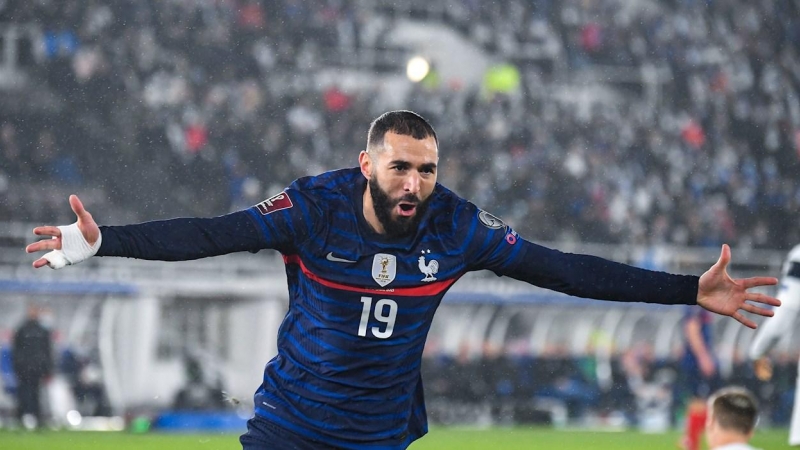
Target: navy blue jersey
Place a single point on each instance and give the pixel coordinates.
(705, 320)
(692, 382)
(347, 371)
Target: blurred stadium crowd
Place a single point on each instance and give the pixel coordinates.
(633, 387)
(196, 107)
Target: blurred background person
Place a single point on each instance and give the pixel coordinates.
(780, 325)
(733, 413)
(84, 378)
(699, 374)
(32, 358)
(198, 394)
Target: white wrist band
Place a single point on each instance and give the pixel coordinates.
(74, 248)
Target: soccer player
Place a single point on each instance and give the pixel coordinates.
(699, 375)
(369, 253)
(732, 417)
(781, 325)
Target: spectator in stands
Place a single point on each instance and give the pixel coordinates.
(696, 141)
(559, 377)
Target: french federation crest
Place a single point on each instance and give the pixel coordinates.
(384, 268)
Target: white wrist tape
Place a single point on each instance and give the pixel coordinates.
(74, 248)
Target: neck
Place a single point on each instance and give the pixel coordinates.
(369, 212)
(726, 438)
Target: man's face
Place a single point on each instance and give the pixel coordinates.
(401, 176)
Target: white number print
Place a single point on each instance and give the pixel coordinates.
(381, 315)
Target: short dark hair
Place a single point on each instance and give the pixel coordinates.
(735, 409)
(406, 123)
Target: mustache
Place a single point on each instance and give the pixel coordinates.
(408, 198)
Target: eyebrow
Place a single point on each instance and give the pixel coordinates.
(400, 162)
(428, 166)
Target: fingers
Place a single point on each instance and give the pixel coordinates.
(47, 231)
(724, 256)
(765, 299)
(46, 244)
(41, 262)
(753, 309)
(758, 310)
(77, 207)
(757, 281)
(744, 320)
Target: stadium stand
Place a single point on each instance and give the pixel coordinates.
(635, 122)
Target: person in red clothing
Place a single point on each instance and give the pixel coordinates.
(699, 375)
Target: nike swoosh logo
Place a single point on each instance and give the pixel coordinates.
(330, 257)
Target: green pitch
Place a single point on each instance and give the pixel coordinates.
(437, 439)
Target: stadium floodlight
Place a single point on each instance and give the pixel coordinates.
(417, 69)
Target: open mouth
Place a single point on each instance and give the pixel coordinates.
(406, 209)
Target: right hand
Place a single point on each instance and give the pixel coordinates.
(86, 224)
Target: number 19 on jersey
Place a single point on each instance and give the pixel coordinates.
(385, 311)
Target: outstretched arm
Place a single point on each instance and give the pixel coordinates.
(592, 277)
(166, 240)
(719, 293)
(494, 246)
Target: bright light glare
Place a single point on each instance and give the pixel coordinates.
(74, 418)
(417, 68)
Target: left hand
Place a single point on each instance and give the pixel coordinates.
(719, 293)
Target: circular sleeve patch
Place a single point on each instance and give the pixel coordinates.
(490, 221)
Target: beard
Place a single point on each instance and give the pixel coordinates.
(399, 226)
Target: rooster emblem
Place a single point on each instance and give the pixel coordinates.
(428, 268)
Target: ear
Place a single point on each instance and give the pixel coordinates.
(365, 162)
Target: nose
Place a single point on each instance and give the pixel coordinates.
(412, 182)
